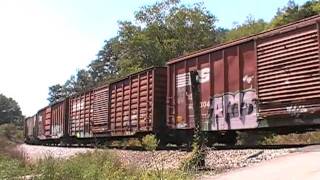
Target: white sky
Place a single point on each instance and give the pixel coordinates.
(38, 49)
(44, 42)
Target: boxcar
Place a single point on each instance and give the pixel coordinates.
(267, 80)
(88, 113)
(59, 119)
(80, 115)
(137, 103)
(30, 129)
(44, 123)
(51, 121)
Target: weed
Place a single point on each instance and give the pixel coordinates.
(150, 142)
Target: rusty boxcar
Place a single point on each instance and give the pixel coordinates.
(44, 123)
(267, 80)
(80, 114)
(51, 121)
(137, 103)
(30, 129)
(88, 113)
(59, 125)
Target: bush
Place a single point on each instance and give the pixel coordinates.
(150, 142)
(194, 160)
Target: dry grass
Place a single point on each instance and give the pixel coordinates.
(293, 138)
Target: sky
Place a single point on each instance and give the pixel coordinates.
(44, 42)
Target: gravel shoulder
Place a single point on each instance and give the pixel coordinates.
(303, 164)
(217, 161)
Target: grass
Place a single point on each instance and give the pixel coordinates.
(98, 165)
(12, 167)
(293, 138)
(93, 165)
(269, 138)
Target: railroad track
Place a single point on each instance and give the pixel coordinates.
(176, 148)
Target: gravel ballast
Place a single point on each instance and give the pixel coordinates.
(217, 161)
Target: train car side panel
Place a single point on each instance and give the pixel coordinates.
(81, 115)
(44, 123)
(100, 121)
(133, 105)
(289, 78)
(228, 89)
(59, 119)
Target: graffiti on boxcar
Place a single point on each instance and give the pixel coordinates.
(233, 109)
(296, 110)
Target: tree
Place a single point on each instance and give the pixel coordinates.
(104, 69)
(76, 84)
(249, 27)
(163, 31)
(293, 12)
(10, 111)
(56, 93)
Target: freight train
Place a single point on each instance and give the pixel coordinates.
(266, 81)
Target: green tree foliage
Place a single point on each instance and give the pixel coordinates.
(104, 68)
(161, 31)
(10, 111)
(76, 84)
(249, 27)
(293, 12)
(56, 93)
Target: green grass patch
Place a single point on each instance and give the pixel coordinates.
(99, 165)
(11, 168)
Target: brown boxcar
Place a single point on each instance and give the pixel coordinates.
(44, 123)
(51, 121)
(138, 103)
(30, 128)
(81, 114)
(267, 80)
(59, 119)
(88, 113)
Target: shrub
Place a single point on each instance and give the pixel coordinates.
(150, 142)
(194, 160)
